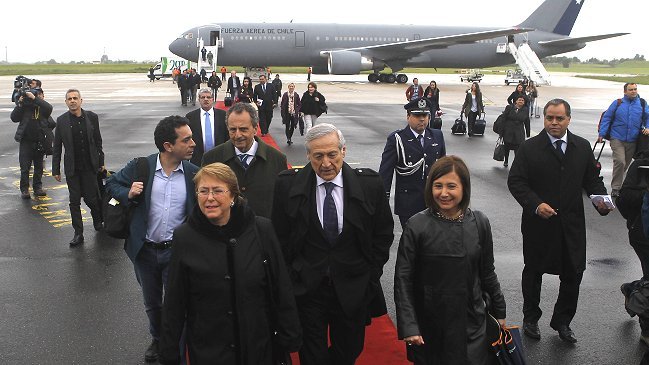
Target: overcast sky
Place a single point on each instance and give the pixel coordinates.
(137, 30)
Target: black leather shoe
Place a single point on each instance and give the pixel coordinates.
(98, 225)
(532, 330)
(151, 353)
(626, 290)
(40, 192)
(77, 239)
(566, 334)
(25, 195)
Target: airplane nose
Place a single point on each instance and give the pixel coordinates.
(177, 47)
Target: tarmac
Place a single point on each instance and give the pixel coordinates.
(82, 305)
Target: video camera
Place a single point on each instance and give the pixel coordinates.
(22, 85)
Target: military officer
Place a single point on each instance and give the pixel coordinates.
(411, 152)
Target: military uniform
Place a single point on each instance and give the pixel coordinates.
(411, 159)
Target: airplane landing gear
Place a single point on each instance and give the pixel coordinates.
(373, 77)
(402, 78)
(387, 78)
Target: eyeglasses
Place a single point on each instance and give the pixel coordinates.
(207, 192)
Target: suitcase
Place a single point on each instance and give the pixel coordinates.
(479, 126)
(598, 165)
(459, 126)
(228, 100)
(436, 123)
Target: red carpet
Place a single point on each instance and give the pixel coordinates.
(381, 344)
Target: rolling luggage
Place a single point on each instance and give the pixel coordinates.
(228, 100)
(479, 126)
(459, 126)
(436, 123)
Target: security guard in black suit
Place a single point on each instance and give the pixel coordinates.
(411, 152)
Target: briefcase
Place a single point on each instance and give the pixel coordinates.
(228, 101)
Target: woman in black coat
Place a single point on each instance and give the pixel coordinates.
(290, 108)
(473, 106)
(520, 91)
(445, 267)
(245, 92)
(313, 105)
(432, 94)
(217, 285)
(516, 127)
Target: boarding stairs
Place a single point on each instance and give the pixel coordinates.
(529, 63)
(205, 64)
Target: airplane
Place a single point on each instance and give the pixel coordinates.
(349, 49)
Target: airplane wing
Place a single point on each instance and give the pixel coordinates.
(412, 48)
(578, 40)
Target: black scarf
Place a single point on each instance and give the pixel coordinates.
(241, 216)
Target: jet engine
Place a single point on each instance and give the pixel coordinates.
(350, 63)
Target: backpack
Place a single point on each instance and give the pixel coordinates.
(117, 216)
(638, 299)
(607, 136)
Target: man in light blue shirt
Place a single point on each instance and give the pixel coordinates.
(162, 200)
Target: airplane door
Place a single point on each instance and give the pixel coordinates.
(214, 38)
(299, 38)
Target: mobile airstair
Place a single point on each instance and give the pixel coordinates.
(529, 63)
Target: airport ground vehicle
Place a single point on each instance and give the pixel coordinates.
(163, 68)
(515, 76)
(471, 76)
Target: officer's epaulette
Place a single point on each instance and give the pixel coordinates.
(397, 131)
(289, 172)
(362, 171)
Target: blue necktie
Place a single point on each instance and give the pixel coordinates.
(209, 136)
(244, 160)
(421, 140)
(558, 144)
(329, 214)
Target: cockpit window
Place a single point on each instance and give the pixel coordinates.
(188, 36)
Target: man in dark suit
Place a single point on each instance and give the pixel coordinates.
(206, 119)
(266, 98)
(411, 151)
(157, 213)
(78, 131)
(184, 85)
(234, 84)
(255, 163)
(194, 83)
(547, 178)
(336, 229)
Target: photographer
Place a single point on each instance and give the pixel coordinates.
(32, 113)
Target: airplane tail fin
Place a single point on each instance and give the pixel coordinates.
(555, 16)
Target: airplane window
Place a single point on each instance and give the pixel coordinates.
(283, 37)
(326, 38)
(317, 38)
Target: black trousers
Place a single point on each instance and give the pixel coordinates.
(566, 304)
(83, 184)
(471, 121)
(265, 117)
(510, 147)
(320, 310)
(183, 96)
(27, 154)
(289, 126)
(641, 248)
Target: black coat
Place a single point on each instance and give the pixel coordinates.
(25, 114)
(540, 175)
(443, 270)
(231, 87)
(409, 190)
(516, 125)
(433, 97)
(268, 98)
(356, 264)
(185, 81)
(629, 203)
(257, 183)
(63, 138)
(220, 132)
(511, 100)
(222, 320)
(214, 82)
(310, 106)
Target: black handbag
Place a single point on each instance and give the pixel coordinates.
(499, 124)
(508, 349)
(117, 216)
(499, 151)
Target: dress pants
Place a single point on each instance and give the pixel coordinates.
(192, 94)
(566, 305)
(289, 126)
(27, 154)
(320, 310)
(183, 96)
(471, 121)
(622, 155)
(309, 121)
(151, 269)
(510, 147)
(83, 184)
(265, 117)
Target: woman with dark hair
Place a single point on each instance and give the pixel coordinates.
(432, 94)
(472, 106)
(532, 94)
(224, 264)
(313, 105)
(520, 91)
(245, 92)
(515, 127)
(290, 108)
(445, 272)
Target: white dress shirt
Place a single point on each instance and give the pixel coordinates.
(563, 145)
(251, 152)
(337, 193)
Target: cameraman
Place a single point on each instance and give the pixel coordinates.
(33, 115)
